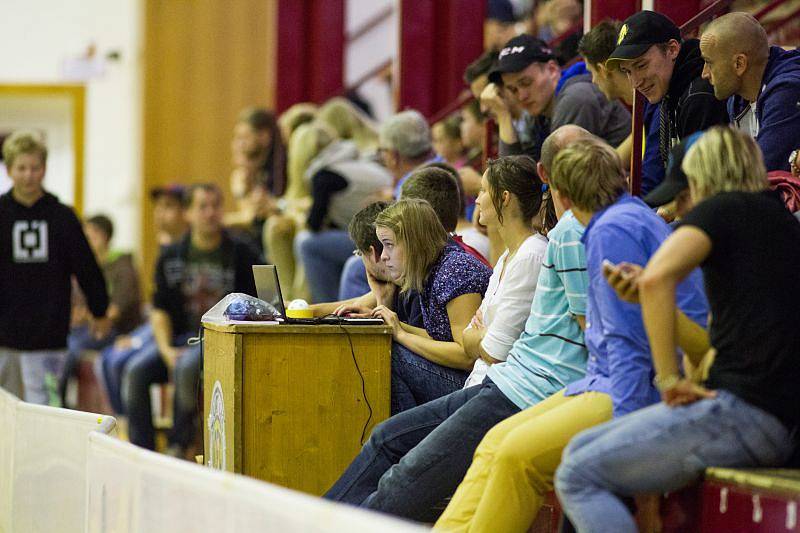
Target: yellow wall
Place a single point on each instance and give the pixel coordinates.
(204, 61)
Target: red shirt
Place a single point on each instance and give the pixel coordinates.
(470, 250)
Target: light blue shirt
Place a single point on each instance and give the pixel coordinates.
(551, 352)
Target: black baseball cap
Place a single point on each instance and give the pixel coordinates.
(174, 190)
(517, 54)
(675, 180)
(641, 31)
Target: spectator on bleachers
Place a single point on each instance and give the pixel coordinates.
(500, 24)
(596, 47)
(293, 118)
(748, 246)
(424, 466)
(476, 75)
(528, 72)
(43, 245)
(191, 276)
(170, 227)
(405, 144)
(259, 174)
(122, 282)
(763, 82)
(673, 197)
(473, 135)
(466, 232)
(350, 123)
(342, 183)
(307, 141)
(667, 71)
(428, 363)
(446, 140)
(515, 463)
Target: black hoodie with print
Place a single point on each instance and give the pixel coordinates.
(41, 248)
(690, 104)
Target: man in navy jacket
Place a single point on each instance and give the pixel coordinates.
(763, 80)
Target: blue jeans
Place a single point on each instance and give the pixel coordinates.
(78, 340)
(146, 368)
(416, 381)
(662, 449)
(323, 255)
(354, 279)
(113, 363)
(417, 458)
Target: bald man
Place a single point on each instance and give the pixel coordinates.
(763, 80)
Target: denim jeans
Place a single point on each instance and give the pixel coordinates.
(323, 255)
(661, 449)
(415, 459)
(146, 368)
(114, 360)
(416, 381)
(79, 340)
(354, 279)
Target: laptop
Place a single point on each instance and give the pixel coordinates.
(268, 288)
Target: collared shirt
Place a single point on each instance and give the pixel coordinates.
(619, 352)
(551, 351)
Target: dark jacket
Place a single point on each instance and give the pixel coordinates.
(171, 270)
(690, 104)
(41, 248)
(777, 108)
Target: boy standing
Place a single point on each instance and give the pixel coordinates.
(41, 246)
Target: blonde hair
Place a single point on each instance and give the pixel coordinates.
(294, 117)
(724, 159)
(23, 142)
(589, 173)
(307, 141)
(350, 123)
(418, 230)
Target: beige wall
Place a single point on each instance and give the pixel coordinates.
(204, 61)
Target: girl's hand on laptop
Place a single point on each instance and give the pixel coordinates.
(390, 317)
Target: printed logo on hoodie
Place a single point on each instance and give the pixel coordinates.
(30, 241)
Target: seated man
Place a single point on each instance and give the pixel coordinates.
(191, 277)
(748, 245)
(514, 465)
(596, 46)
(763, 81)
(527, 71)
(416, 458)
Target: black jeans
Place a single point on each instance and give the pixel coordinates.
(416, 459)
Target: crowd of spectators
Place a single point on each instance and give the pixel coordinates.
(549, 329)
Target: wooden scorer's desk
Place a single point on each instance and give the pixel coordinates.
(284, 403)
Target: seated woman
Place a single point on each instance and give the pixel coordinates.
(509, 201)
(428, 363)
(429, 446)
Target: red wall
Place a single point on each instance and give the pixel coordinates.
(310, 51)
(438, 39)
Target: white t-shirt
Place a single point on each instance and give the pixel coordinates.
(507, 303)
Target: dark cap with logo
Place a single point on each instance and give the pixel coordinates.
(675, 180)
(517, 54)
(641, 31)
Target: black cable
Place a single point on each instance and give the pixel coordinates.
(360, 375)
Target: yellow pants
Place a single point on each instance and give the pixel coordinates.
(515, 462)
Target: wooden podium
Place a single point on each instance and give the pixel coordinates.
(284, 403)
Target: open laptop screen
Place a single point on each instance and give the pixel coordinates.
(268, 287)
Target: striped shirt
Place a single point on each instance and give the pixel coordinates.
(551, 352)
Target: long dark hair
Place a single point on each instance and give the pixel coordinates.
(261, 119)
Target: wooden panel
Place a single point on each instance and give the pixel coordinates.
(304, 407)
(204, 61)
(222, 376)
